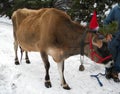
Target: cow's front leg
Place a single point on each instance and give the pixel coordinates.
(61, 71)
(47, 66)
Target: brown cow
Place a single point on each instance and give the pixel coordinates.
(17, 18)
(51, 33)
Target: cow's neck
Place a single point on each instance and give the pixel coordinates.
(73, 47)
(76, 36)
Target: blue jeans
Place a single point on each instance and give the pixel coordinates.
(114, 48)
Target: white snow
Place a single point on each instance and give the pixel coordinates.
(29, 78)
(107, 12)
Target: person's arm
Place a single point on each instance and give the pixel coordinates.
(109, 18)
(106, 22)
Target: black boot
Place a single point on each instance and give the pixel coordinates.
(114, 76)
(110, 73)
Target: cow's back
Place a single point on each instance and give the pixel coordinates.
(19, 15)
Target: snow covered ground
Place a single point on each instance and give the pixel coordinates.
(29, 78)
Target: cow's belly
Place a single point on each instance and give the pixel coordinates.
(28, 41)
(60, 54)
(56, 53)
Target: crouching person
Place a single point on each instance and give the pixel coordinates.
(114, 43)
(101, 47)
(114, 48)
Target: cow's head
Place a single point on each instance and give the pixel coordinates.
(101, 47)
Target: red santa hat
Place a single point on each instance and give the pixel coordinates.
(93, 23)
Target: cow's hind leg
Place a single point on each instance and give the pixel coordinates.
(16, 56)
(61, 71)
(27, 58)
(47, 66)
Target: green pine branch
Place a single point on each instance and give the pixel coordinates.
(111, 28)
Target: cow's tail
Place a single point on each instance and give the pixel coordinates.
(14, 25)
(14, 18)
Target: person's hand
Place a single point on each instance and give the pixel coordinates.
(109, 37)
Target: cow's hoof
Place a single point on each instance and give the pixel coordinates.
(17, 63)
(28, 61)
(81, 68)
(48, 84)
(66, 87)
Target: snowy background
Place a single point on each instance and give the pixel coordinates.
(29, 78)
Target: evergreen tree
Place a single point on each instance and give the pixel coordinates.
(6, 7)
(79, 10)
